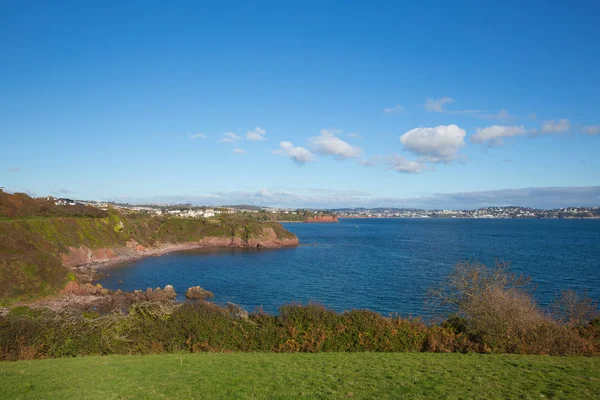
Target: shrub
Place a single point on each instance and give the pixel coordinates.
(574, 309)
(495, 309)
(163, 326)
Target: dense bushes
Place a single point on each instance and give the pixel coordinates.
(202, 326)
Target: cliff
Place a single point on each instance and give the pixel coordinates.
(321, 218)
(37, 254)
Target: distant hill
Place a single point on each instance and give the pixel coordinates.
(245, 207)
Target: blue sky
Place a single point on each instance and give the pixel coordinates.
(348, 104)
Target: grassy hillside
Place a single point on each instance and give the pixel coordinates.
(286, 376)
(30, 248)
(21, 205)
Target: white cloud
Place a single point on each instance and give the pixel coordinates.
(438, 144)
(438, 105)
(591, 130)
(238, 151)
(330, 144)
(230, 137)
(495, 133)
(402, 165)
(394, 110)
(197, 136)
(298, 154)
(562, 126)
(256, 134)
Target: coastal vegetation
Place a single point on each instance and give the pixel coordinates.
(325, 375)
(33, 249)
(504, 320)
(21, 205)
(294, 216)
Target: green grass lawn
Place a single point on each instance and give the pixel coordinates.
(323, 375)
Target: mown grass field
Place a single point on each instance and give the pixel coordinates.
(323, 375)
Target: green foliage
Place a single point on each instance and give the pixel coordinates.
(21, 205)
(157, 327)
(119, 227)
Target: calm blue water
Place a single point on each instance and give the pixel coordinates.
(381, 264)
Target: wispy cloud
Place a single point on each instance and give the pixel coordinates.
(494, 135)
(370, 162)
(439, 105)
(330, 144)
(299, 155)
(437, 144)
(540, 197)
(591, 130)
(197, 136)
(14, 169)
(238, 151)
(402, 165)
(561, 126)
(61, 192)
(256, 134)
(397, 109)
(503, 115)
(230, 137)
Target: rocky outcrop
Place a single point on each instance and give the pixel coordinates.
(99, 300)
(322, 218)
(85, 256)
(197, 293)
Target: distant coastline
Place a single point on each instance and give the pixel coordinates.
(440, 217)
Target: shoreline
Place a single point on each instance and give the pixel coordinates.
(85, 258)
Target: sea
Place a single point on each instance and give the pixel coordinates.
(384, 265)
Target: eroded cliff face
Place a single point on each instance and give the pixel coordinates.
(85, 256)
(322, 218)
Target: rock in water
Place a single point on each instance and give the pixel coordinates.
(197, 293)
(169, 292)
